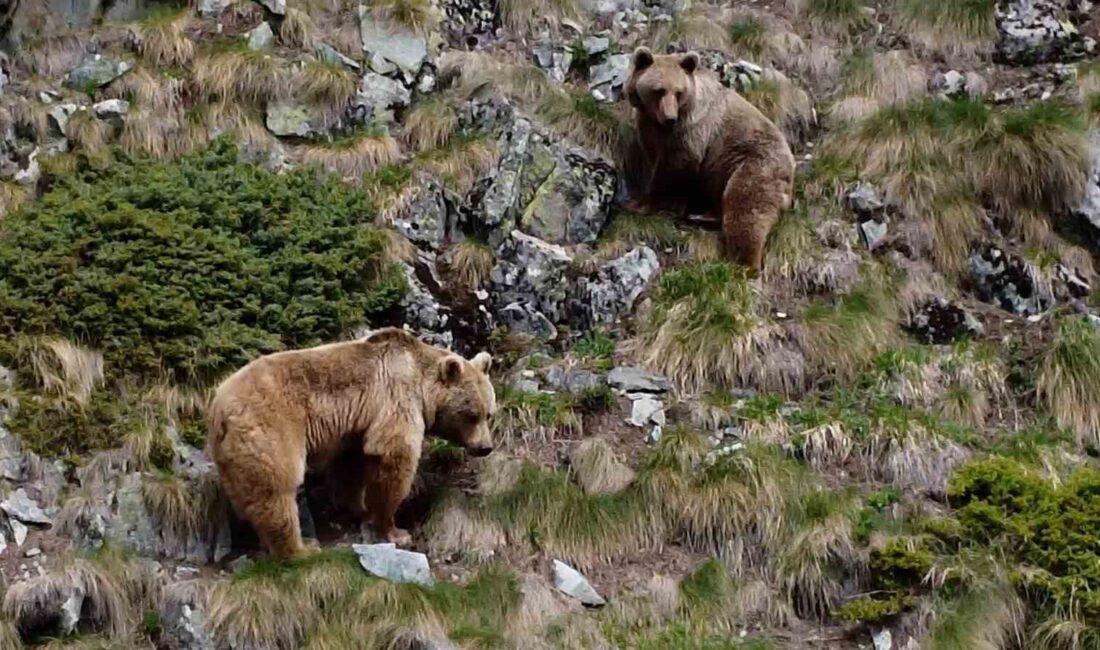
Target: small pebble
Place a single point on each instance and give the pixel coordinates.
(32, 552)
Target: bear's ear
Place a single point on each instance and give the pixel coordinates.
(483, 362)
(643, 58)
(690, 62)
(450, 369)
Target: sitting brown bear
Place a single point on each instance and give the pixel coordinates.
(708, 151)
(376, 397)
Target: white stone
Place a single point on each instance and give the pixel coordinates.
(571, 583)
(109, 108)
(389, 562)
(18, 531)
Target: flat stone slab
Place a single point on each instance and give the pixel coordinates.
(393, 564)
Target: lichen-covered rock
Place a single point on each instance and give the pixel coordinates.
(423, 312)
(554, 58)
(97, 71)
(378, 97)
(570, 379)
(1090, 204)
(429, 216)
(111, 108)
(553, 191)
(294, 119)
(213, 8)
(470, 18)
(391, 45)
(611, 291)
(1041, 31)
(528, 286)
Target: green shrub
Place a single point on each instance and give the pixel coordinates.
(902, 563)
(188, 269)
(874, 610)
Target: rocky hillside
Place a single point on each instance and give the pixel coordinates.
(888, 439)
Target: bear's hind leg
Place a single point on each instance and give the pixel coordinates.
(751, 203)
(389, 481)
(276, 522)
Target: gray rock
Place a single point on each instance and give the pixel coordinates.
(630, 379)
(528, 277)
(213, 8)
(389, 562)
(428, 220)
(470, 18)
(423, 313)
(873, 232)
(610, 76)
(298, 120)
(60, 115)
(32, 172)
(594, 45)
(18, 532)
(949, 84)
(277, 7)
(883, 640)
(523, 317)
(19, 505)
(556, 192)
(613, 289)
(1008, 281)
(329, 54)
(378, 96)
(11, 455)
(525, 385)
(183, 617)
(97, 71)
(111, 108)
(261, 37)
(1040, 31)
(863, 199)
(646, 411)
(71, 608)
(571, 380)
(555, 59)
(571, 583)
(609, 7)
(393, 44)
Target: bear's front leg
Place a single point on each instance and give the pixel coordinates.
(389, 479)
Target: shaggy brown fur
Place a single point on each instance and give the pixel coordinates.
(709, 151)
(372, 400)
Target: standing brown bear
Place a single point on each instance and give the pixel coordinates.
(373, 399)
(709, 151)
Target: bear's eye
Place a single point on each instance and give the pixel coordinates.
(473, 418)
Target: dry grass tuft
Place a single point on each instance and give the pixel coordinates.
(89, 134)
(469, 263)
(148, 89)
(12, 196)
(30, 118)
(326, 84)
(453, 531)
(461, 163)
(163, 41)
(240, 77)
(1069, 379)
(429, 125)
(162, 135)
(596, 469)
(706, 327)
(353, 157)
(960, 27)
(838, 18)
(67, 370)
(525, 16)
(298, 30)
(419, 15)
(52, 56)
(872, 80)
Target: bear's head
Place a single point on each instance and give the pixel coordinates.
(464, 403)
(662, 86)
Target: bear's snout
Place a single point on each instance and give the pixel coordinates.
(479, 452)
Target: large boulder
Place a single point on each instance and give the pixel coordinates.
(295, 119)
(378, 97)
(429, 216)
(556, 192)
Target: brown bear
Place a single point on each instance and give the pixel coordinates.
(373, 399)
(708, 151)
